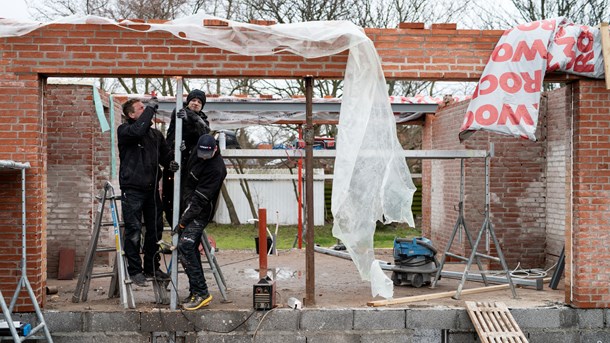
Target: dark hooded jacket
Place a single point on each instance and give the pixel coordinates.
(202, 187)
(141, 149)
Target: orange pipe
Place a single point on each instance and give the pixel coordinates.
(262, 242)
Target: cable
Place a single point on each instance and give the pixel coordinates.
(259, 324)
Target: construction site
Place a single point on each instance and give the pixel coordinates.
(518, 219)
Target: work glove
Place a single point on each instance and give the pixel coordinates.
(181, 114)
(174, 166)
(182, 146)
(153, 103)
(178, 230)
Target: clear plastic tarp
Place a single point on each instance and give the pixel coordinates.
(372, 181)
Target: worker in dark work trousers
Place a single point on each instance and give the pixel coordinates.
(194, 124)
(142, 149)
(206, 173)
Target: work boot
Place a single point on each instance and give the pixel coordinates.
(139, 280)
(157, 274)
(198, 302)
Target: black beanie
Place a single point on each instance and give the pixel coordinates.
(196, 93)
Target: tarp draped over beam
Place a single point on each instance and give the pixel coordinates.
(373, 181)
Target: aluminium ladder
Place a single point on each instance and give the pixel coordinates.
(120, 277)
(487, 229)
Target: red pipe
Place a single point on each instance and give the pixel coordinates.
(262, 243)
(300, 196)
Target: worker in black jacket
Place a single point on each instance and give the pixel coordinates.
(194, 124)
(206, 173)
(142, 149)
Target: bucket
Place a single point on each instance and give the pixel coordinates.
(269, 242)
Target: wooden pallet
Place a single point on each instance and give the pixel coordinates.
(494, 323)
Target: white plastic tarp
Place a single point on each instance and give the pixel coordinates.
(372, 178)
(507, 97)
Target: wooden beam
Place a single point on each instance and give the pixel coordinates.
(424, 297)
(603, 31)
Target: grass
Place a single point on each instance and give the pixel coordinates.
(241, 237)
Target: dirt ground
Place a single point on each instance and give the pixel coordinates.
(337, 285)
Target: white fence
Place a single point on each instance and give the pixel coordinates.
(273, 189)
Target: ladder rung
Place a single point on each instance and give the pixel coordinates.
(105, 249)
(497, 259)
(457, 256)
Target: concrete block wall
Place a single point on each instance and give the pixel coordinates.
(557, 324)
(517, 189)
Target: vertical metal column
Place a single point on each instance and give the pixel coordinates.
(310, 282)
(176, 211)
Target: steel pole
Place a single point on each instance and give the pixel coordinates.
(176, 210)
(310, 282)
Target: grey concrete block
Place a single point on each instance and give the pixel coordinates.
(165, 320)
(590, 318)
(427, 336)
(221, 321)
(432, 319)
(275, 320)
(378, 319)
(272, 337)
(326, 319)
(464, 323)
(463, 337)
(330, 337)
(96, 337)
(64, 321)
(601, 336)
(537, 318)
(395, 336)
(111, 321)
(546, 336)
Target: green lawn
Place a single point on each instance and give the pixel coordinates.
(241, 237)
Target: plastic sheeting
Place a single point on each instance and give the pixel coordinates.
(373, 181)
(507, 98)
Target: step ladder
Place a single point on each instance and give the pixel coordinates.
(214, 268)
(120, 278)
(486, 229)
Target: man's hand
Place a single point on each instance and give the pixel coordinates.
(178, 230)
(153, 103)
(182, 146)
(181, 114)
(173, 166)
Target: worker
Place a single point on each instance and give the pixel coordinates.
(142, 148)
(206, 173)
(194, 124)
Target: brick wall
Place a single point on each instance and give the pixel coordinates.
(590, 231)
(78, 164)
(558, 105)
(408, 54)
(517, 189)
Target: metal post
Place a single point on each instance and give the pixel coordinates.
(300, 196)
(176, 210)
(310, 282)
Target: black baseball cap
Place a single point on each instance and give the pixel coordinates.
(206, 146)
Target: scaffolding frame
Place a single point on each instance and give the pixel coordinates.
(23, 281)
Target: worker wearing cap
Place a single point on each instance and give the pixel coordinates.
(206, 173)
(194, 124)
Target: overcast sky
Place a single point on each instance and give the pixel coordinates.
(15, 9)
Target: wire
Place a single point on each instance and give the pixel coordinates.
(259, 324)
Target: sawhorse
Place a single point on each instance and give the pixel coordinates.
(486, 229)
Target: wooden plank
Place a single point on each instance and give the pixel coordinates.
(603, 31)
(436, 296)
(494, 323)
